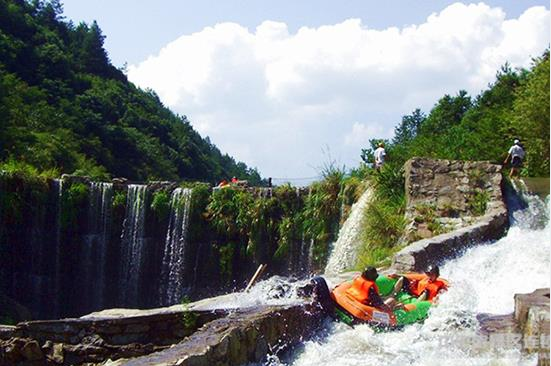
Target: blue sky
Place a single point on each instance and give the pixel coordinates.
(136, 29)
(281, 85)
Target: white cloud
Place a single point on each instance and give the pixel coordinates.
(363, 132)
(275, 99)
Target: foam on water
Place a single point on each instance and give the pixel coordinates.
(483, 280)
(275, 290)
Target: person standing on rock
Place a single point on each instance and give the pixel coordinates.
(380, 155)
(515, 155)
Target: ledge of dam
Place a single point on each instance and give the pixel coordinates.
(194, 334)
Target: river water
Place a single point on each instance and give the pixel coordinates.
(483, 280)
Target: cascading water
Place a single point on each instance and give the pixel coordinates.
(483, 280)
(343, 253)
(132, 243)
(306, 249)
(275, 290)
(173, 266)
(301, 256)
(95, 239)
(36, 276)
(58, 188)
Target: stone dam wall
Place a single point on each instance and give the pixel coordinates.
(462, 199)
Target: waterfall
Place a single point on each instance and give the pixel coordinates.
(95, 239)
(132, 243)
(173, 266)
(35, 276)
(483, 280)
(58, 187)
(306, 259)
(299, 256)
(344, 250)
(198, 255)
(527, 210)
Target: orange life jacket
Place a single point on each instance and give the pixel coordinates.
(360, 289)
(420, 282)
(432, 287)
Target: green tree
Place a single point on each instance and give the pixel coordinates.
(531, 116)
(63, 105)
(407, 130)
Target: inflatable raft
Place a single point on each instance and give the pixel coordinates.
(344, 307)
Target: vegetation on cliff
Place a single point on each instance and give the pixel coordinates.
(64, 106)
(458, 127)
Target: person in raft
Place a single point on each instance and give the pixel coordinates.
(423, 286)
(516, 155)
(364, 289)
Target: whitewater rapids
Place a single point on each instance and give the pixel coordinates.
(483, 280)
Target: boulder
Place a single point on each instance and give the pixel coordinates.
(532, 315)
(527, 328)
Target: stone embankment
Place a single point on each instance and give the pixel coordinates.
(196, 335)
(240, 338)
(527, 328)
(462, 199)
(93, 339)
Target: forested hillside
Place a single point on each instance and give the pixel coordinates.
(65, 108)
(515, 105)
(460, 127)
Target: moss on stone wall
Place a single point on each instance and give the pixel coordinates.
(73, 204)
(384, 222)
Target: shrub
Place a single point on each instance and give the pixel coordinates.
(73, 201)
(200, 196)
(89, 168)
(477, 202)
(321, 214)
(189, 317)
(384, 222)
(389, 182)
(425, 213)
(477, 177)
(226, 261)
(160, 205)
(119, 200)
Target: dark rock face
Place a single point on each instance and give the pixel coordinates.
(240, 338)
(450, 190)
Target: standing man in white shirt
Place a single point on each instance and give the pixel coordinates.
(516, 155)
(379, 156)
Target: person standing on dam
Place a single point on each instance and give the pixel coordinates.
(516, 156)
(380, 155)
